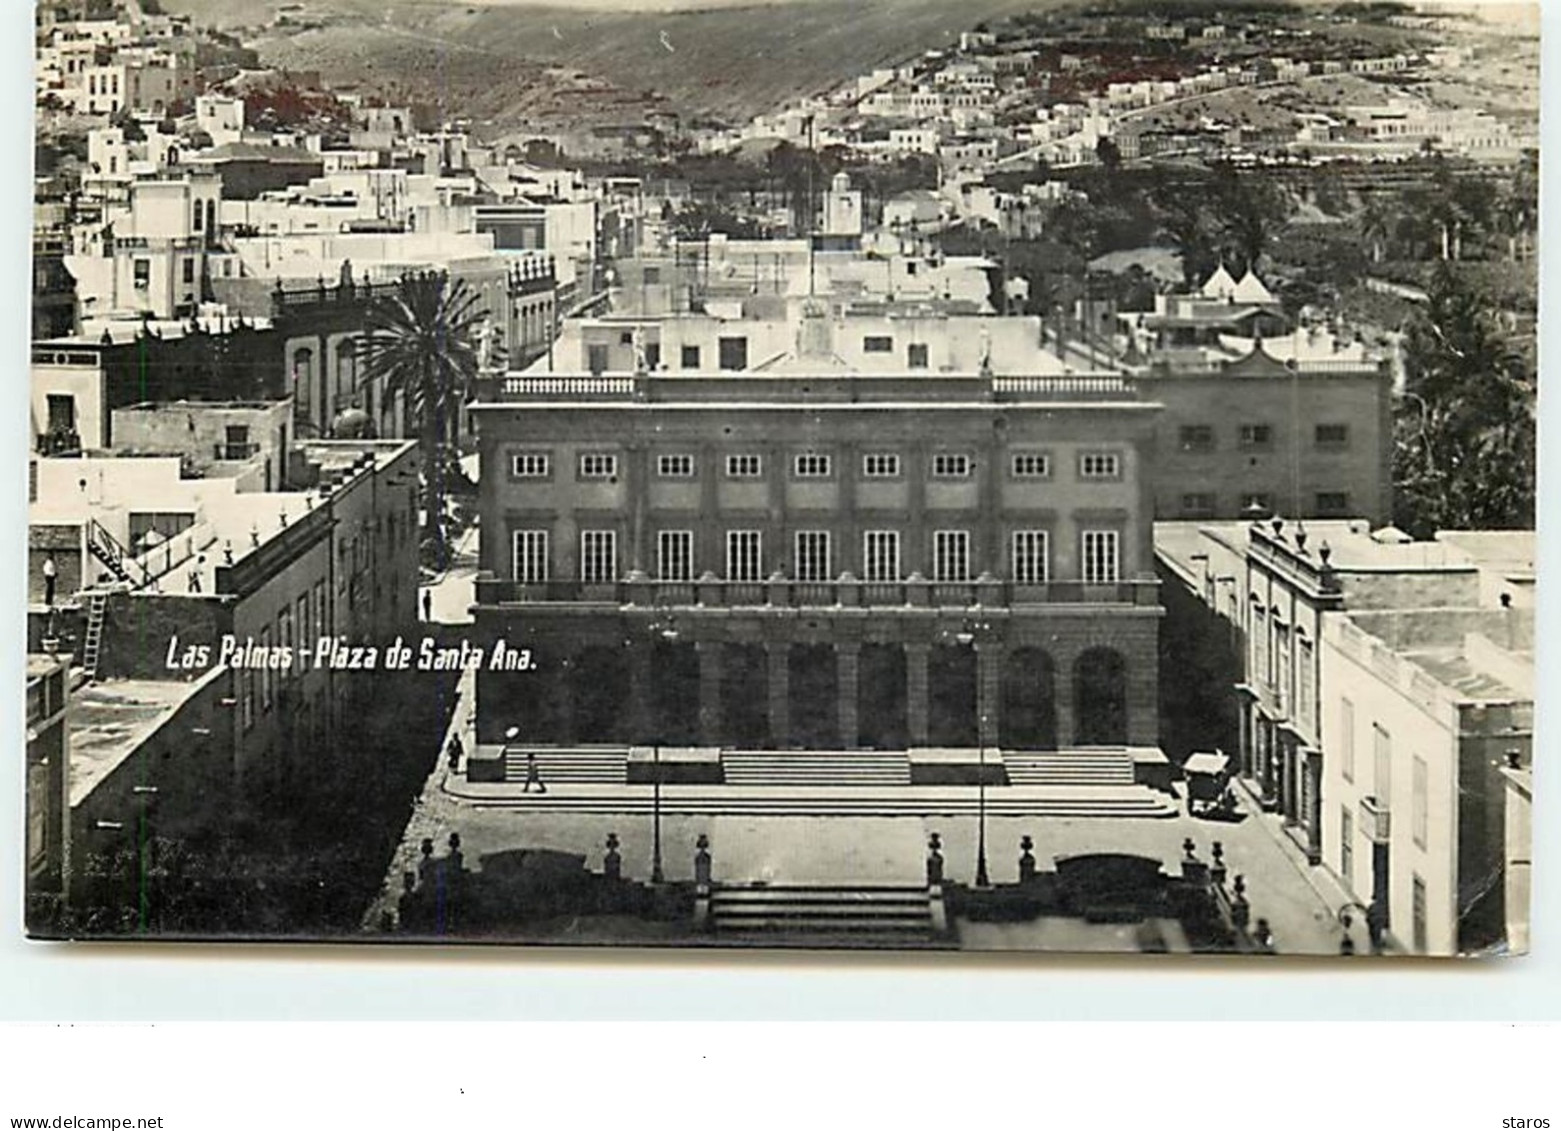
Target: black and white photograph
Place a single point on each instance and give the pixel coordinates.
(892, 475)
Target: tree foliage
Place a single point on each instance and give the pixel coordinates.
(1464, 456)
(424, 345)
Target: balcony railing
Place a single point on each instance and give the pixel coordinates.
(785, 593)
(235, 451)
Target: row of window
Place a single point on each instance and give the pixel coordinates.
(819, 465)
(1257, 437)
(1205, 504)
(1382, 772)
(732, 353)
(813, 557)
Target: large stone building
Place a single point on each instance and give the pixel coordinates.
(815, 555)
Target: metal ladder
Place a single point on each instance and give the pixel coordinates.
(97, 608)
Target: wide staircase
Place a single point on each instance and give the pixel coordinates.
(593, 765)
(1107, 766)
(816, 767)
(820, 914)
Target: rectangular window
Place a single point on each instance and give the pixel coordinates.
(1331, 435)
(1031, 465)
(1200, 504)
(951, 555)
(284, 639)
(744, 561)
(881, 555)
(652, 276)
(675, 555)
(690, 357)
(733, 353)
(1100, 557)
(680, 466)
(142, 269)
(1197, 438)
(1100, 465)
(247, 683)
(531, 557)
(811, 465)
(744, 466)
(598, 556)
(1303, 681)
(950, 465)
(1333, 502)
(1420, 804)
(1346, 847)
(916, 356)
(187, 270)
(1257, 501)
(1382, 767)
(596, 358)
(305, 626)
(877, 343)
(881, 465)
(1417, 912)
(812, 555)
(265, 672)
(531, 465)
(1252, 436)
(1347, 739)
(598, 465)
(1030, 565)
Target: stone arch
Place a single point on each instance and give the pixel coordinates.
(1100, 698)
(674, 687)
(598, 689)
(1027, 719)
(745, 694)
(951, 696)
(815, 719)
(881, 697)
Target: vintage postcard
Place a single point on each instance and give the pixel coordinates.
(1000, 475)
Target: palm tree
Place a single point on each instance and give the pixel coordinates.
(423, 346)
(1375, 227)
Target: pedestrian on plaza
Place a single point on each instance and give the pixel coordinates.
(533, 774)
(50, 573)
(454, 752)
(428, 605)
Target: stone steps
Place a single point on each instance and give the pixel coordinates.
(1069, 767)
(816, 767)
(820, 911)
(1077, 802)
(595, 766)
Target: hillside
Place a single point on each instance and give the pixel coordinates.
(485, 60)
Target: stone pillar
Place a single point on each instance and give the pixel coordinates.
(1066, 697)
(778, 660)
(1244, 760)
(847, 682)
(709, 692)
(989, 670)
(916, 657)
(1269, 744)
(640, 559)
(644, 717)
(1143, 692)
(564, 699)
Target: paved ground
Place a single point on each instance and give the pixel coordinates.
(454, 592)
(1297, 900)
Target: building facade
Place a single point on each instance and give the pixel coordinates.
(803, 560)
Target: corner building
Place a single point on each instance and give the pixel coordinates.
(804, 558)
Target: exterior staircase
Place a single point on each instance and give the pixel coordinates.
(595, 765)
(816, 767)
(821, 914)
(119, 562)
(1106, 766)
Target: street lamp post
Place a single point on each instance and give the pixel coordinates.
(981, 873)
(655, 830)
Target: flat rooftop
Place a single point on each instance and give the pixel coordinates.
(107, 722)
